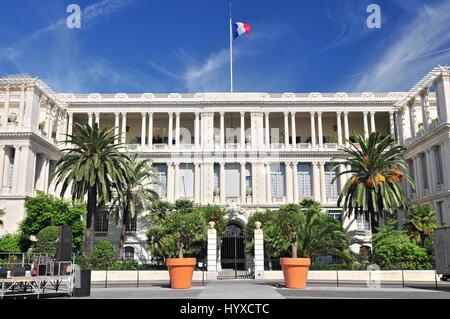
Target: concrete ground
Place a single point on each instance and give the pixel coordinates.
(255, 289)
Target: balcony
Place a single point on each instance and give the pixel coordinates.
(425, 193)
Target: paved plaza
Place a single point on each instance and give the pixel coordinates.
(255, 289)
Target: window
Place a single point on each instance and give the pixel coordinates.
(248, 176)
(161, 178)
(423, 165)
(233, 180)
(129, 253)
(412, 175)
(440, 213)
(304, 180)
(216, 177)
(362, 223)
(277, 179)
(336, 215)
(438, 161)
(186, 182)
(130, 223)
(330, 174)
(101, 222)
(12, 157)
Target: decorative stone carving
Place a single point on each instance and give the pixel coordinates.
(258, 225)
(211, 225)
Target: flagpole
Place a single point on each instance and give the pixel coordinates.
(231, 51)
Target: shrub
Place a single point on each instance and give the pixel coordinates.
(394, 249)
(177, 234)
(11, 243)
(216, 214)
(46, 210)
(103, 255)
(46, 241)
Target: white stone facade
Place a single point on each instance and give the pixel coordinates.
(252, 150)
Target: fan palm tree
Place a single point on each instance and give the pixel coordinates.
(375, 167)
(421, 222)
(93, 166)
(321, 234)
(137, 194)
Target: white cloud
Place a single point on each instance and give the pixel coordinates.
(90, 15)
(412, 50)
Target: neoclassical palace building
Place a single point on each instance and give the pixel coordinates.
(249, 151)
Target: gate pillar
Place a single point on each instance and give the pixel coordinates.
(211, 262)
(259, 251)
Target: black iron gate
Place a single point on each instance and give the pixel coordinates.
(235, 262)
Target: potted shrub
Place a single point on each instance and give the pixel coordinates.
(287, 224)
(177, 234)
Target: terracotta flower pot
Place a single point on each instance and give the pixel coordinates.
(295, 272)
(181, 271)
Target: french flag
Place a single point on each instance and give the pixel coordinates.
(240, 28)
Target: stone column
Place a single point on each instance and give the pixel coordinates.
(197, 178)
(21, 106)
(143, 128)
(294, 130)
(288, 182)
(150, 130)
(259, 251)
(211, 262)
(2, 166)
(323, 192)
(197, 129)
(267, 129)
(425, 104)
(392, 124)
(170, 182)
(366, 125)
(401, 126)
(170, 133)
(243, 129)
(346, 128)
(51, 123)
(176, 181)
(295, 182)
(124, 128)
(90, 119)
(372, 122)
(6, 109)
(430, 171)
(268, 184)
(418, 176)
(222, 129)
(177, 129)
(339, 128)
(222, 183)
(316, 181)
(286, 129)
(319, 121)
(341, 178)
(412, 118)
(243, 184)
(116, 128)
(313, 129)
(45, 171)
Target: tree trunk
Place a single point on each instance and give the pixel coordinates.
(180, 250)
(122, 235)
(90, 222)
(294, 249)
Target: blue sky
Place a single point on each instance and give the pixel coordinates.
(182, 46)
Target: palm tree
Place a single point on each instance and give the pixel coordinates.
(159, 208)
(95, 167)
(375, 167)
(421, 222)
(321, 234)
(137, 194)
